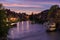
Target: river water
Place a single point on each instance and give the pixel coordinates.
(27, 31)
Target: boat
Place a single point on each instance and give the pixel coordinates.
(51, 27)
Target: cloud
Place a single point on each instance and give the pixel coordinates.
(20, 5)
(29, 5)
(2, 0)
(52, 3)
(26, 11)
(38, 0)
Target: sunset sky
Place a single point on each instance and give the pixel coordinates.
(29, 6)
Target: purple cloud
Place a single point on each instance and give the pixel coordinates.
(29, 5)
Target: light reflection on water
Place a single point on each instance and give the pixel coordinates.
(27, 25)
(12, 34)
(22, 26)
(18, 27)
(27, 31)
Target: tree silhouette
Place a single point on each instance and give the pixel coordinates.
(3, 28)
(52, 12)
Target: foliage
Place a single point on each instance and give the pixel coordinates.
(3, 27)
(52, 14)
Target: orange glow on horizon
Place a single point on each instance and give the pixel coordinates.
(27, 12)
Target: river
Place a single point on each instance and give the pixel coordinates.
(27, 31)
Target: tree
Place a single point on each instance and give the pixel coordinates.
(3, 28)
(54, 15)
(52, 12)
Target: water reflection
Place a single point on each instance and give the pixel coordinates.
(27, 25)
(54, 35)
(12, 34)
(28, 31)
(18, 27)
(22, 26)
